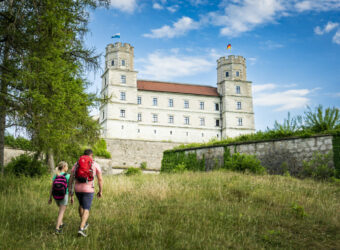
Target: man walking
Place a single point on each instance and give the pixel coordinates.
(84, 173)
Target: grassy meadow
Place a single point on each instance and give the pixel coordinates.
(215, 210)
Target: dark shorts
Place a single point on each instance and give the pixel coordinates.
(85, 200)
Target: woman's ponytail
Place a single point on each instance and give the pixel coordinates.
(60, 166)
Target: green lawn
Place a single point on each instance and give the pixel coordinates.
(216, 210)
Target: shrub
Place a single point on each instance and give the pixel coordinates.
(171, 159)
(27, 166)
(19, 142)
(100, 149)
(143, 165)
(243, 163)
(180, 168)
(319, 167)
(133, 171)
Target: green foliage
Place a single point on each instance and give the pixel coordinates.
(172, 159)
(299, 211)
(100, 149)
(319, 167)
(336, 155)
(143, 165)
(242, 163)
(289, 125)
(321, 120)
(133, 171)
(26, 165)
(18, 143)
(179, 168)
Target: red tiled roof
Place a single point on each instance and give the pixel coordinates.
(176, 88)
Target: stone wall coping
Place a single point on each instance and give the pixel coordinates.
(250, 142)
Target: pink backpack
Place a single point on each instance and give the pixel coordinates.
(59, 187)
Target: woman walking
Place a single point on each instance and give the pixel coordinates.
(59, 191)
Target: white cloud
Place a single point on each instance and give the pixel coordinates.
(240, 16)
(173, 8)
(179, 28)
(252, 60)
(124, 6)
(336, 37)
(317, 5)
(157, 6)
(269, 95)
(328, 27)
(271, 45)
(161, 66)
(262, 87)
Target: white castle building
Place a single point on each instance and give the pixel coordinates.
(166, 111)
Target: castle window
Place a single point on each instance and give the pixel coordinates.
(122, 96)
(122, 113)
(170, 132)
(139, 100)
(238, 90)
(105, 81)
(202, 121)
(217, 107)
(171, 119)
(226, 74)
(187, 133)
(240, 122)
(103, 115)
(201, 105)
(155, 131)
(113, 63)
(171, 102)
(202, 134)
(154, 117)
(237, 73)
(123, 62)
(123, 79)
(138, 131)
(186, 104)
(154, 101)
(122, 126)
(139, 117)
(239, 106)
(186, 120)
(217, 122)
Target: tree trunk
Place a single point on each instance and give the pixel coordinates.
(3, 90)
(50, 160)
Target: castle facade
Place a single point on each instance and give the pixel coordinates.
(165, 111)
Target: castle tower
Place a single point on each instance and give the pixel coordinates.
(119, 83)
(237, 100)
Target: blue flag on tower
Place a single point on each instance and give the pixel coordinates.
(117, 35)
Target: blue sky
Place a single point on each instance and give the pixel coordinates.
(292, 47)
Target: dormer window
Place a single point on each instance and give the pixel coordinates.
(123, 62)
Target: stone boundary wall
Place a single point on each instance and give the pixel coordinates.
(276, 155)
(11, 153)
(131, 153)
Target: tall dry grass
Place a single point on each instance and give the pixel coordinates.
(216, 210)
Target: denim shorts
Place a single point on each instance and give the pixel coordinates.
(85, 200)
(63, 201)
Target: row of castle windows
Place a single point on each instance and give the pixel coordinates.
(170, 102)
(171, 119)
